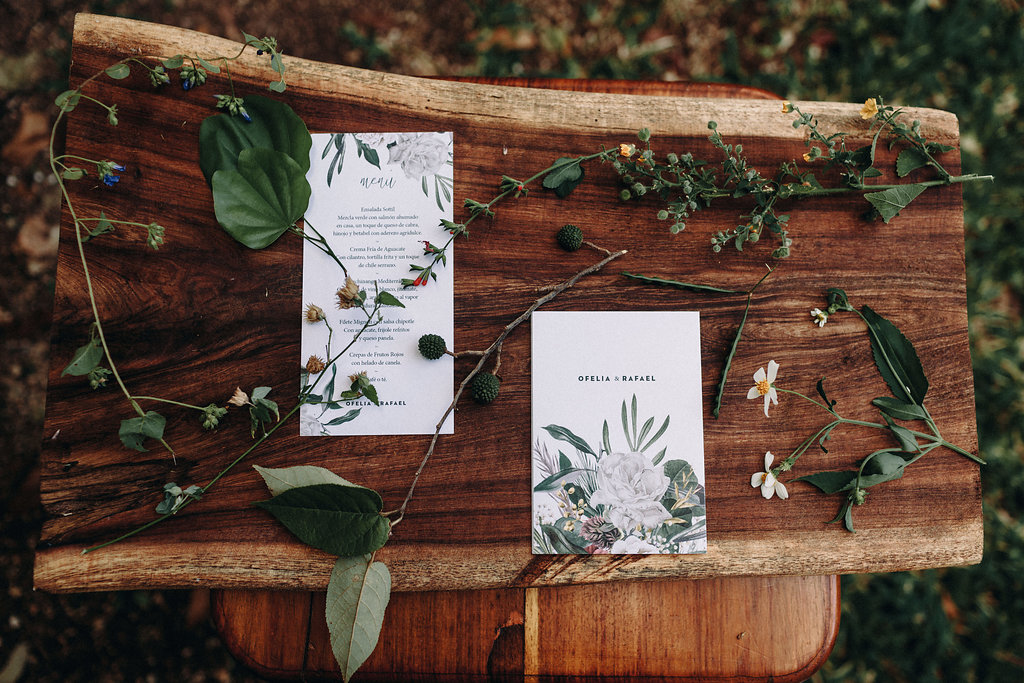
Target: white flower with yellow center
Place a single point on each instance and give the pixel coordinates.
(770, 486)
(763, 382)
(819, 316)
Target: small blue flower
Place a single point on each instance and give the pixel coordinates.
(108, 170)
(244, 114)
(110, 180)
(186, 85)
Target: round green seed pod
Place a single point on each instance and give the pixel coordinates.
(432, 346)
(570, 237)
(485, 388)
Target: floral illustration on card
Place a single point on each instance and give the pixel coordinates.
(628, 496)
(426, 157)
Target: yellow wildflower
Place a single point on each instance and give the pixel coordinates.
(870, 108)
(627, 150)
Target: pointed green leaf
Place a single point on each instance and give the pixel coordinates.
(657, 435)
(281, 479)
(85, 360)
(388, 299)
(899, 410)
(831, 482)
(910, 160)
(896, 359)
(890, 202)
(212, 68)
(563, 434)
(555, 481)
(357, 597)
(136, 430)
(274, 125)
(260, 200)
(680, 285)
(341, 520)
(683, 487)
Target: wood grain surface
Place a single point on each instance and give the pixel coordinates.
(725, 629)
(204, 315)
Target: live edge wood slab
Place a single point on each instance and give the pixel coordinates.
(203, 315)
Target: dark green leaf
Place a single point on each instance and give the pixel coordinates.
(371, 394)
(388, 299)
(896, 359)
(347, 417)
(903, 436)
(135, 430)
(683, 487)
(910, 160)
(563, 461)
(563, 434)
(118, 71)
(274, 126)
(657, 435)
(890, 202)
(831, 482)
(257, 202)
(899, 410)
(681, 285)
(85, 360)
(563, 179)
(341, 520)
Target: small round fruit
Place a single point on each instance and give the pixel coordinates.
(570, 237)
(485, 388)
(432, 346)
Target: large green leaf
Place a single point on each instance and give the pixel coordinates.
(910, 160)
(899, 409)
(564, 177)
(281, 479)
(890, 202)
(257, 202)
(341, 520)
(357, 596)
(683, 486)
(134, 431)
(564, 542)
(273, 126)
(896, 359)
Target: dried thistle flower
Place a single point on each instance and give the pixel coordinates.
(314, 314)
(315, 365)
(239, 398)
(355, 378)
(348, 296)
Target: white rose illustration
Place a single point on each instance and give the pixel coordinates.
(631, 487)
(308, 424)
(419, 154)
(375, 139)
(632, 545)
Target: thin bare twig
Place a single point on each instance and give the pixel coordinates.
(485, 355)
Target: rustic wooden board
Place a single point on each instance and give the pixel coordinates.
(203, 315)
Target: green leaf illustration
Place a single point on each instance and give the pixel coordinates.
(85, 360)
(562, 541)
(910, 160)
(563, 179)
(555, 481)
(257, 202)
(341, 520)
(563, 434)
(273, 126)
(896, 359)
(890, 202)
(357, 596)
(136, 430)
(684, 490)
(342, 419)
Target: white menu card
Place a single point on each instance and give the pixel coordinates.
(377, 199)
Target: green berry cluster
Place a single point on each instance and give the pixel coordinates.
(485, 388)
(570, 237)
(432, 346)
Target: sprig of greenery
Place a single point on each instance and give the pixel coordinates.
(687, 185)
(900, 367)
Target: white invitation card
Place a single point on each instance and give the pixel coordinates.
(378, 201)
(618, 435)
